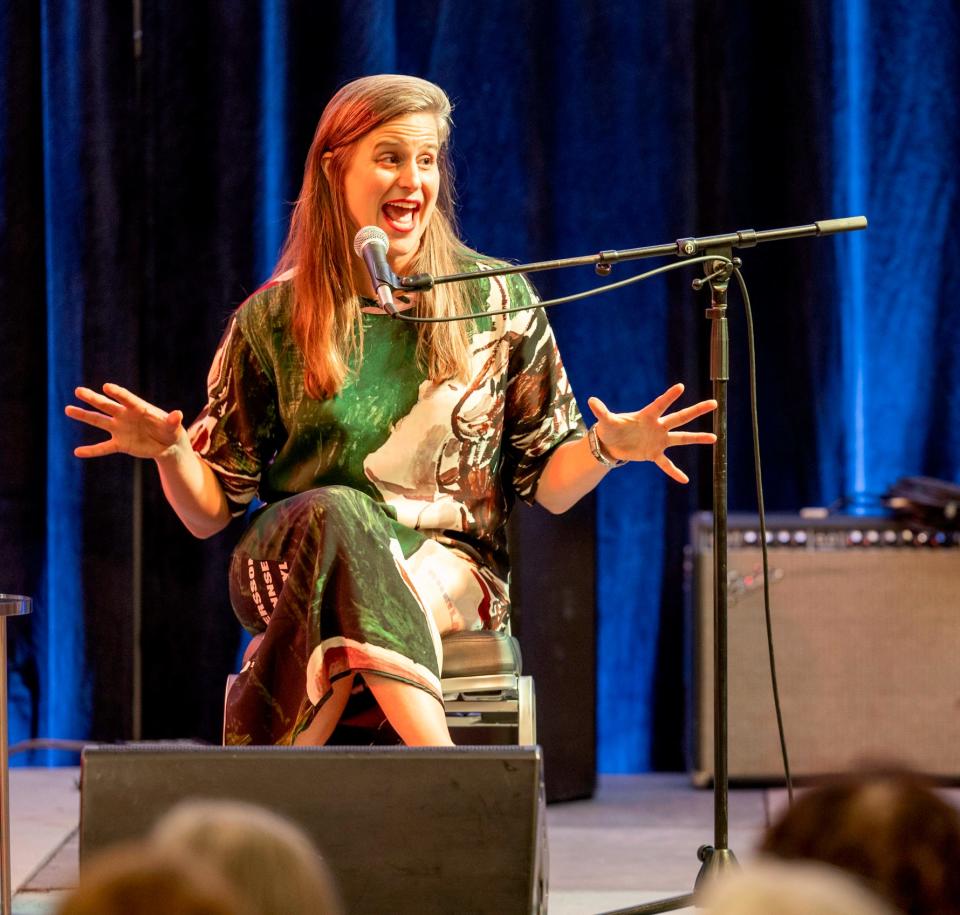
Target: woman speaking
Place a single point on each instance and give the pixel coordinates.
(387, 454)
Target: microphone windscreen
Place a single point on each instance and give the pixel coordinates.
(368, 234)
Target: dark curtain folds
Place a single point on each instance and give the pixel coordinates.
(144, 192)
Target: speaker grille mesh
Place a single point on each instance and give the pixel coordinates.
(867, 656)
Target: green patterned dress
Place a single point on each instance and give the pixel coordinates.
(385, 505)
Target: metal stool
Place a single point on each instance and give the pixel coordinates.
(482, 683)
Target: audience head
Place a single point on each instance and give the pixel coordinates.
(140, 879)
(889, 828)
(781, 888)
(269, 860)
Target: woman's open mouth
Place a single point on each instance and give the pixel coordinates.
(401, 215)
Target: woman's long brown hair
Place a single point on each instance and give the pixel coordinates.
(318, 252)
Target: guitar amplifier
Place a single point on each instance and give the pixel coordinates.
(866, 631)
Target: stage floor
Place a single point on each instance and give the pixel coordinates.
(634, 842)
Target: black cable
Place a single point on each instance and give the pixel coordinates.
(755, 425)
(609, 287)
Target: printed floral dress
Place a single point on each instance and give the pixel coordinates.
(385, 505)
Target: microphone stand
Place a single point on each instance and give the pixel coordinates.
(715, 859)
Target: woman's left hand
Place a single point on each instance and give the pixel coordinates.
(646, 434)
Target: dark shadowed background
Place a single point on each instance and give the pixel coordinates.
(144, 190)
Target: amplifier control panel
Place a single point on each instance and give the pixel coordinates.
(835, 532)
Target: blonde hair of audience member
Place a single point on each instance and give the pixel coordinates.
(268, 859)
(801, 888)
(140, 879)
(885, 825)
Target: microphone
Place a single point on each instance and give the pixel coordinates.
(371, 244)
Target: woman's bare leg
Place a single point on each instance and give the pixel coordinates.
(413, 713)
(318, 732)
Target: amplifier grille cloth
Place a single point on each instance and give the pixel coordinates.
(868, 658)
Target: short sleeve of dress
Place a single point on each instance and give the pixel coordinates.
(236, 433)
(541, 412)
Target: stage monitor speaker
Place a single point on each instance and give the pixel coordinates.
(866, 628)
(404, 830)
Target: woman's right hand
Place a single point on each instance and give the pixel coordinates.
(135, 427)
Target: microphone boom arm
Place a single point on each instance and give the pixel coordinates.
(683, 247)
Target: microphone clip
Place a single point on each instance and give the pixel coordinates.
(417, 282)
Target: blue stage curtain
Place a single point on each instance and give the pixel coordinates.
(61, 666)
(143, 197)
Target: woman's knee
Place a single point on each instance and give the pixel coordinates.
(330, 502)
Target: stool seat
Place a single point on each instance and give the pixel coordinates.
(482, 685)
(480, 652)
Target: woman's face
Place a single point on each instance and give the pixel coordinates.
(392, 181)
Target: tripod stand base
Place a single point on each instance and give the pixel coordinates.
(716, 863)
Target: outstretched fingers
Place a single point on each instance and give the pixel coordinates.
(95, 399)
(671, 469)
(598, 408)
(134, 426)
(688, 414)
(667, 398)
(100, 449)
(130, 401)
(658, 406)
(128, 398)
(690, 438)
(90, 417)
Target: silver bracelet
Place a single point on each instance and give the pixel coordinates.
(596, 449)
